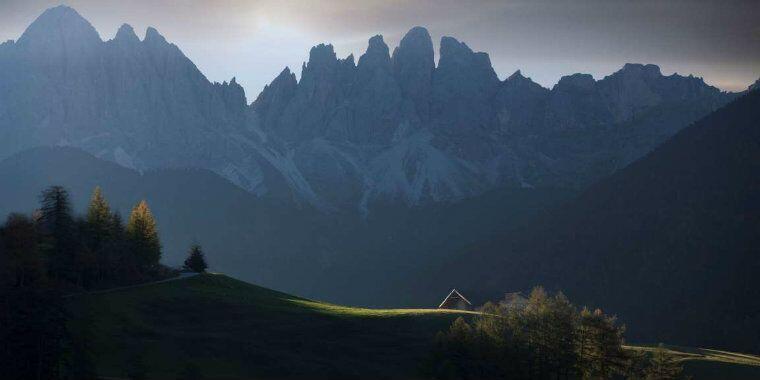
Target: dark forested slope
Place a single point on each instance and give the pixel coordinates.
(672, 242)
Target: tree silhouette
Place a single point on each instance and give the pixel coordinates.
(57, 225)
(98, 223)
(196, 260)
(142, 234)
(98, 212)
(600, 346)
(548, 338)
(19, 256)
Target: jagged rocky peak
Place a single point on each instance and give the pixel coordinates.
(233, 94)
(377, 54)
(285, 78)
(58, 28)
(413, 65)
(576, 81)
(126, 34)
(416, 43)
(321, 56)
(348, 61)
(647, 70)
(458, 56)
(413, 58)
(518, 81)
(324, 72)
(377, 46)
(451, 48)
(233, 98)
(273, 99)
(282, 86)
(516, 76)
(152, 36)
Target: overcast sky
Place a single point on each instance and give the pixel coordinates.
(254, 40)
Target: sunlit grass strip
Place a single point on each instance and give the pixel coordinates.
(704, 354)
(367, 312)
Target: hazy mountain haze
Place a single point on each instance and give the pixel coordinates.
(254, 40)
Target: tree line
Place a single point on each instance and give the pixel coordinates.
(548, 338)
(53, 253)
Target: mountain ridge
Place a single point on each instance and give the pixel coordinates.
(391, 126)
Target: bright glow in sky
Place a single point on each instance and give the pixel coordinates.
(254, 40)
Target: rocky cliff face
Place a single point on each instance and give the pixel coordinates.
(347, 134)
(402, 128)
(140, 103)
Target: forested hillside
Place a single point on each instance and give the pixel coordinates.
(669, 243)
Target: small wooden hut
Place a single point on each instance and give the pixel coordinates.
(455, 301)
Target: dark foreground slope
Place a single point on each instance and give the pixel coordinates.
(229, 329)
(232, 329)
(670, 243)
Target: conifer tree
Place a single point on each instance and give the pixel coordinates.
(122, 263)
(560, 331)
(98, 212)
(20, 262)
(98, 225)
(196, 260)
(142, 234)
(600, 346)
(55, 209)
(116, 225)
(455, 348)
(58, 226)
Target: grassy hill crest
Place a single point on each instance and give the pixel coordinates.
(234, 330)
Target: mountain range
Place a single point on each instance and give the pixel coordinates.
(347, 135)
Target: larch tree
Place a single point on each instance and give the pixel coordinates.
(98, 223)
(600, 346)
(98, 212)
(142, 234)
(559, 324)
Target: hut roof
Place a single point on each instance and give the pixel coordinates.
(454, 294)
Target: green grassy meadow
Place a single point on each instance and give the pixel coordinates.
(234, 330)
